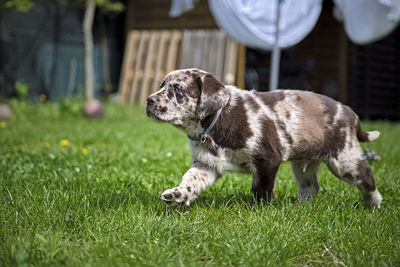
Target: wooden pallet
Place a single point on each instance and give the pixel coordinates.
(211, 50)
(149, 55)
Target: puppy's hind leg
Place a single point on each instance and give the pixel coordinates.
(348, 166)
(305, 174)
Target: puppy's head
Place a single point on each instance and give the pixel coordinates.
(186, 95)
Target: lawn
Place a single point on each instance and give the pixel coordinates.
(96, 201)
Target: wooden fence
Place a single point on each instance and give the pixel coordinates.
(149, 55)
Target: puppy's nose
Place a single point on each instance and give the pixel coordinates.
(151, 100)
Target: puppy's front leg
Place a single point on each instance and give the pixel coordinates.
(196, 179)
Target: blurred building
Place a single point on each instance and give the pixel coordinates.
(43, 48)
(365, 77)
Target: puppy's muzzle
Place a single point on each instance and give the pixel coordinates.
(150, 103)
(153, 108)
(151, 100)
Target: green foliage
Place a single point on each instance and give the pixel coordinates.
(19, 5)
(70, 106)
(21, 90)
(110, 6)
(60, 206)
(103, 5)
(26, 5)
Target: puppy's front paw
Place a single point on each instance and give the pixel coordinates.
(176, 196)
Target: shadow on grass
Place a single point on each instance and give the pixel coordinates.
(232, 201)
(149, 199)
(248, 202)
(244, 199)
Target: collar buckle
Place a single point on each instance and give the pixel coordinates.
(204, 135)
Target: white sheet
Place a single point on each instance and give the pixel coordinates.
(366, 21)
(252, 22)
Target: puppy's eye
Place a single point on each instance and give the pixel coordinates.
(178, 89)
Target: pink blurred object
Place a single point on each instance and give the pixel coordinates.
(93, 109)
(5, 112)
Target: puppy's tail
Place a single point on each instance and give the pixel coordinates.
(366, 136)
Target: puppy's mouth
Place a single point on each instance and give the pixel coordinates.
(151, 113)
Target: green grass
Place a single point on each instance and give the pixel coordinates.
(61, 207)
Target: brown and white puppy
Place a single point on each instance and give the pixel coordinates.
(249, 131)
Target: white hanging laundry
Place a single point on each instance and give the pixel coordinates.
(366, 21)
(178, 7)
(252, 22)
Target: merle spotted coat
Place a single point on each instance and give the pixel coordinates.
(255, 132)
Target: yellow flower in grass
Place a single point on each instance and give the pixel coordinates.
(84, 151)
(64, 142)
(46, 145)
(42, 98)
(13, 117)
(3, 124)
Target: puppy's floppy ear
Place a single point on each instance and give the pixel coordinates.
(213, 95)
